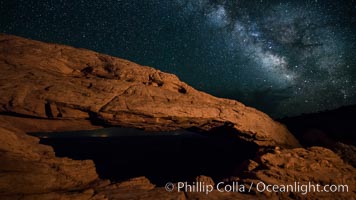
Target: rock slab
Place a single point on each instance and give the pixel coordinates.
(57, 82)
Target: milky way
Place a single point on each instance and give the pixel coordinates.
(283, 57)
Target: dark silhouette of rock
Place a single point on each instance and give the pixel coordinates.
(325, 127)
(333, 129)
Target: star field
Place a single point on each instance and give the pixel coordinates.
(283, 57)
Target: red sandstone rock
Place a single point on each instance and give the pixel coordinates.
(48, 87)
(50, 81)
(316, 165)
(30, 168)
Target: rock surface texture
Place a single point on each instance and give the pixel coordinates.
(299, 166)
(49, 81)
(48, 87)
(28, 168)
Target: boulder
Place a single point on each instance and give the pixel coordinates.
(298, 167)
(31, 168)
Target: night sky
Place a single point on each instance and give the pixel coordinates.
(283, 57)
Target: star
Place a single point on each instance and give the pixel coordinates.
(286, 51)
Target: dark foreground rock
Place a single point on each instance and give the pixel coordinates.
(315, 165)
(333, 129)
(49, 87)
(28, 168)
